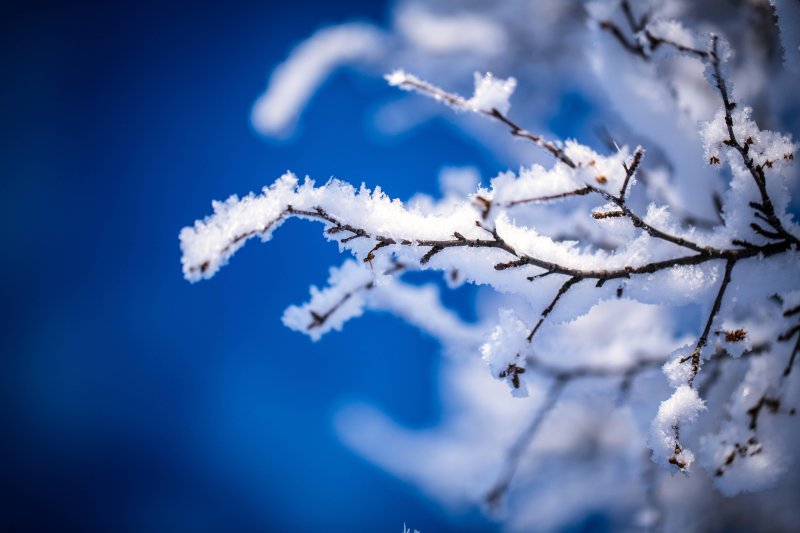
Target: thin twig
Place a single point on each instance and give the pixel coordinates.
(703, 340)
(577, 192)
(630, 171)
(636, 46)
(564, 288)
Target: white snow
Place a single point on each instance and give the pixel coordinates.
(295, 80)
(684, 406)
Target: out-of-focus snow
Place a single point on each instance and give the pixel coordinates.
(294, 81)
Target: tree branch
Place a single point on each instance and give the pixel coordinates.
(766, 206)
(636, 46)
(460, 102)
(578, 192)
(703, 340)
(564, 288)
(630, 171)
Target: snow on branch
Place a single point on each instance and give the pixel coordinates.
(490, 98)
(501, 253)
(567, 240)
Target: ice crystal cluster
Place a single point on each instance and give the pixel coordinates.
(645, 315)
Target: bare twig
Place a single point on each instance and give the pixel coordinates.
(703, 340)
(787, 335)
(564, 288)
(630, 171)
(766, 207)
(577, 192)
(790, 364)
(639, 27)
(318, 318)
(460, 102)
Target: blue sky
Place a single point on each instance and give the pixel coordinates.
(134, 401)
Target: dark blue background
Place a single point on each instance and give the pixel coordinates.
(132, 400)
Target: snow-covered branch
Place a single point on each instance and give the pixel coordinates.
(559, 244)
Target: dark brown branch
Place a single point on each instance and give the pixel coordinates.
(766, 206)
(773, 404)
(742, 243)
(485, 206)
(632, 47)
(563, 376)
(564, 288)
(792, 311)
(336, 226)
(460, 102)
(650, 268)
(635, 46)
(569, 374)
(625, 210)
(382, 242)
(787, 336)
(600, 215)
(702, 257)
(518, 263)
(653, 41)
(319, 318)
(513, 371)
(237, 239)
(652, 231)
(557, 152)
(518, 131)
(539, 276)
(619, 201)
(790, 364)
(635, 25)
(577, 192)
(695, 356)
(703, 340)
(750, 448)
(430, 253)
(630, 171)
(656, 41)
(765, 233)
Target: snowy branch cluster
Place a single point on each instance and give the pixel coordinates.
(643, 298)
